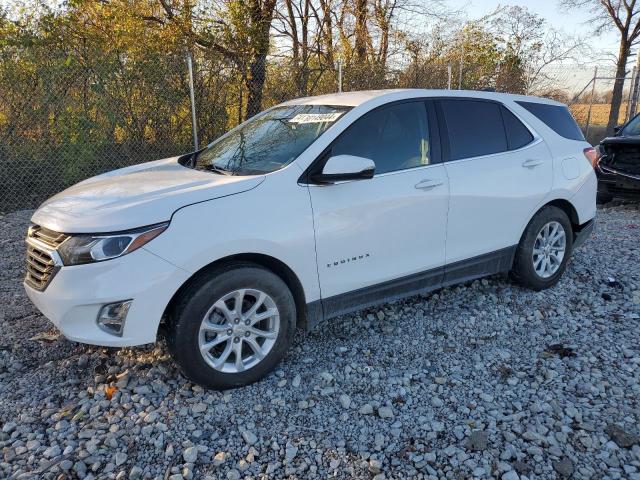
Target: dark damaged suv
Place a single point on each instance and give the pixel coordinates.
(618, 168)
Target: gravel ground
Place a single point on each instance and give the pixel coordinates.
(482, 380)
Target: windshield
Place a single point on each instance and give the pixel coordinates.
(632, 128)
(268, 141)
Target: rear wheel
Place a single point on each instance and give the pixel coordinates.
(232, 326)
(544, 250)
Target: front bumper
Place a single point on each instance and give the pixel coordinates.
(75, 295)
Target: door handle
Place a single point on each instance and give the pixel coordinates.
(428, 184)
(531, 163)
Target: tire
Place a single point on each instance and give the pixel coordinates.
(529, 269)
(214, 295)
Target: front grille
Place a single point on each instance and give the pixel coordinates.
(615, 171)
(41, 266)
(51, 238)
(624, 160)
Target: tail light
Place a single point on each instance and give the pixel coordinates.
(593, 155)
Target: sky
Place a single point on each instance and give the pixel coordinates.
(574, 21)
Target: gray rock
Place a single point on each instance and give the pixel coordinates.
(484, 365)
(190, 454)
(478, 441)
(564, 467)
(135, 472)
(120, 458)
(52, 452)
(366, 409)
(345, 401)
(375, 466)
(233, 475)
(290, 452)
(9, 427)
(510, 475)
(622, 438)
(326, 377)
(385, 412)
(249, 437)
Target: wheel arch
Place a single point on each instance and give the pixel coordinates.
(563, 204)
(567, 207)
(281, 269)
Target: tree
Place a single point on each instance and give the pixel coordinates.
(533, 46)
(236, 29)
(305, 26)
(624, 16)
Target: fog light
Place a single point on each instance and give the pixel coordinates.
(112, 316)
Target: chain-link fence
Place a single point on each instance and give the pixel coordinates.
(61, 122)
(64, 123)
(591, 103)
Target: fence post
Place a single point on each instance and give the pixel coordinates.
(593, 91)
(627, 113)
(192, 98)
(634, 96)
(339, 76)
(461, 66)
(449, 77)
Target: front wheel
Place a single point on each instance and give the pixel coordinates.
(544, 250)
(232, 326)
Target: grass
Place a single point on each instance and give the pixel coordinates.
(599, 113)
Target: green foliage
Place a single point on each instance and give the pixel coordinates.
(90, 86)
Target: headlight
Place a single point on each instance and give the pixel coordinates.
(79, 249)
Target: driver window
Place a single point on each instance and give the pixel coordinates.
(395, 137)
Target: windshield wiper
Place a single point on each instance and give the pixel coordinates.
(219, 170)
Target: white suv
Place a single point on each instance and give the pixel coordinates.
(314, 208)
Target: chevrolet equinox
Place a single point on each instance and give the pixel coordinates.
(312, 209)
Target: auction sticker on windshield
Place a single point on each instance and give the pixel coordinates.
(315, 117)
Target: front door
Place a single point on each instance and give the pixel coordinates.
(383, 236)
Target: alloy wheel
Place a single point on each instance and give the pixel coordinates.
(549, 249)
(239, 330)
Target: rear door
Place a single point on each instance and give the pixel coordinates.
(499, 171)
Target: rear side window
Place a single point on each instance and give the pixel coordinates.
(517, 134)
(556, 117)
(475, 128)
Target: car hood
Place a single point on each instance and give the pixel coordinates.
(135, 196)
(622, 140)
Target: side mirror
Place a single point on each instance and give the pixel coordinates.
(342, 168)
(617, 128)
